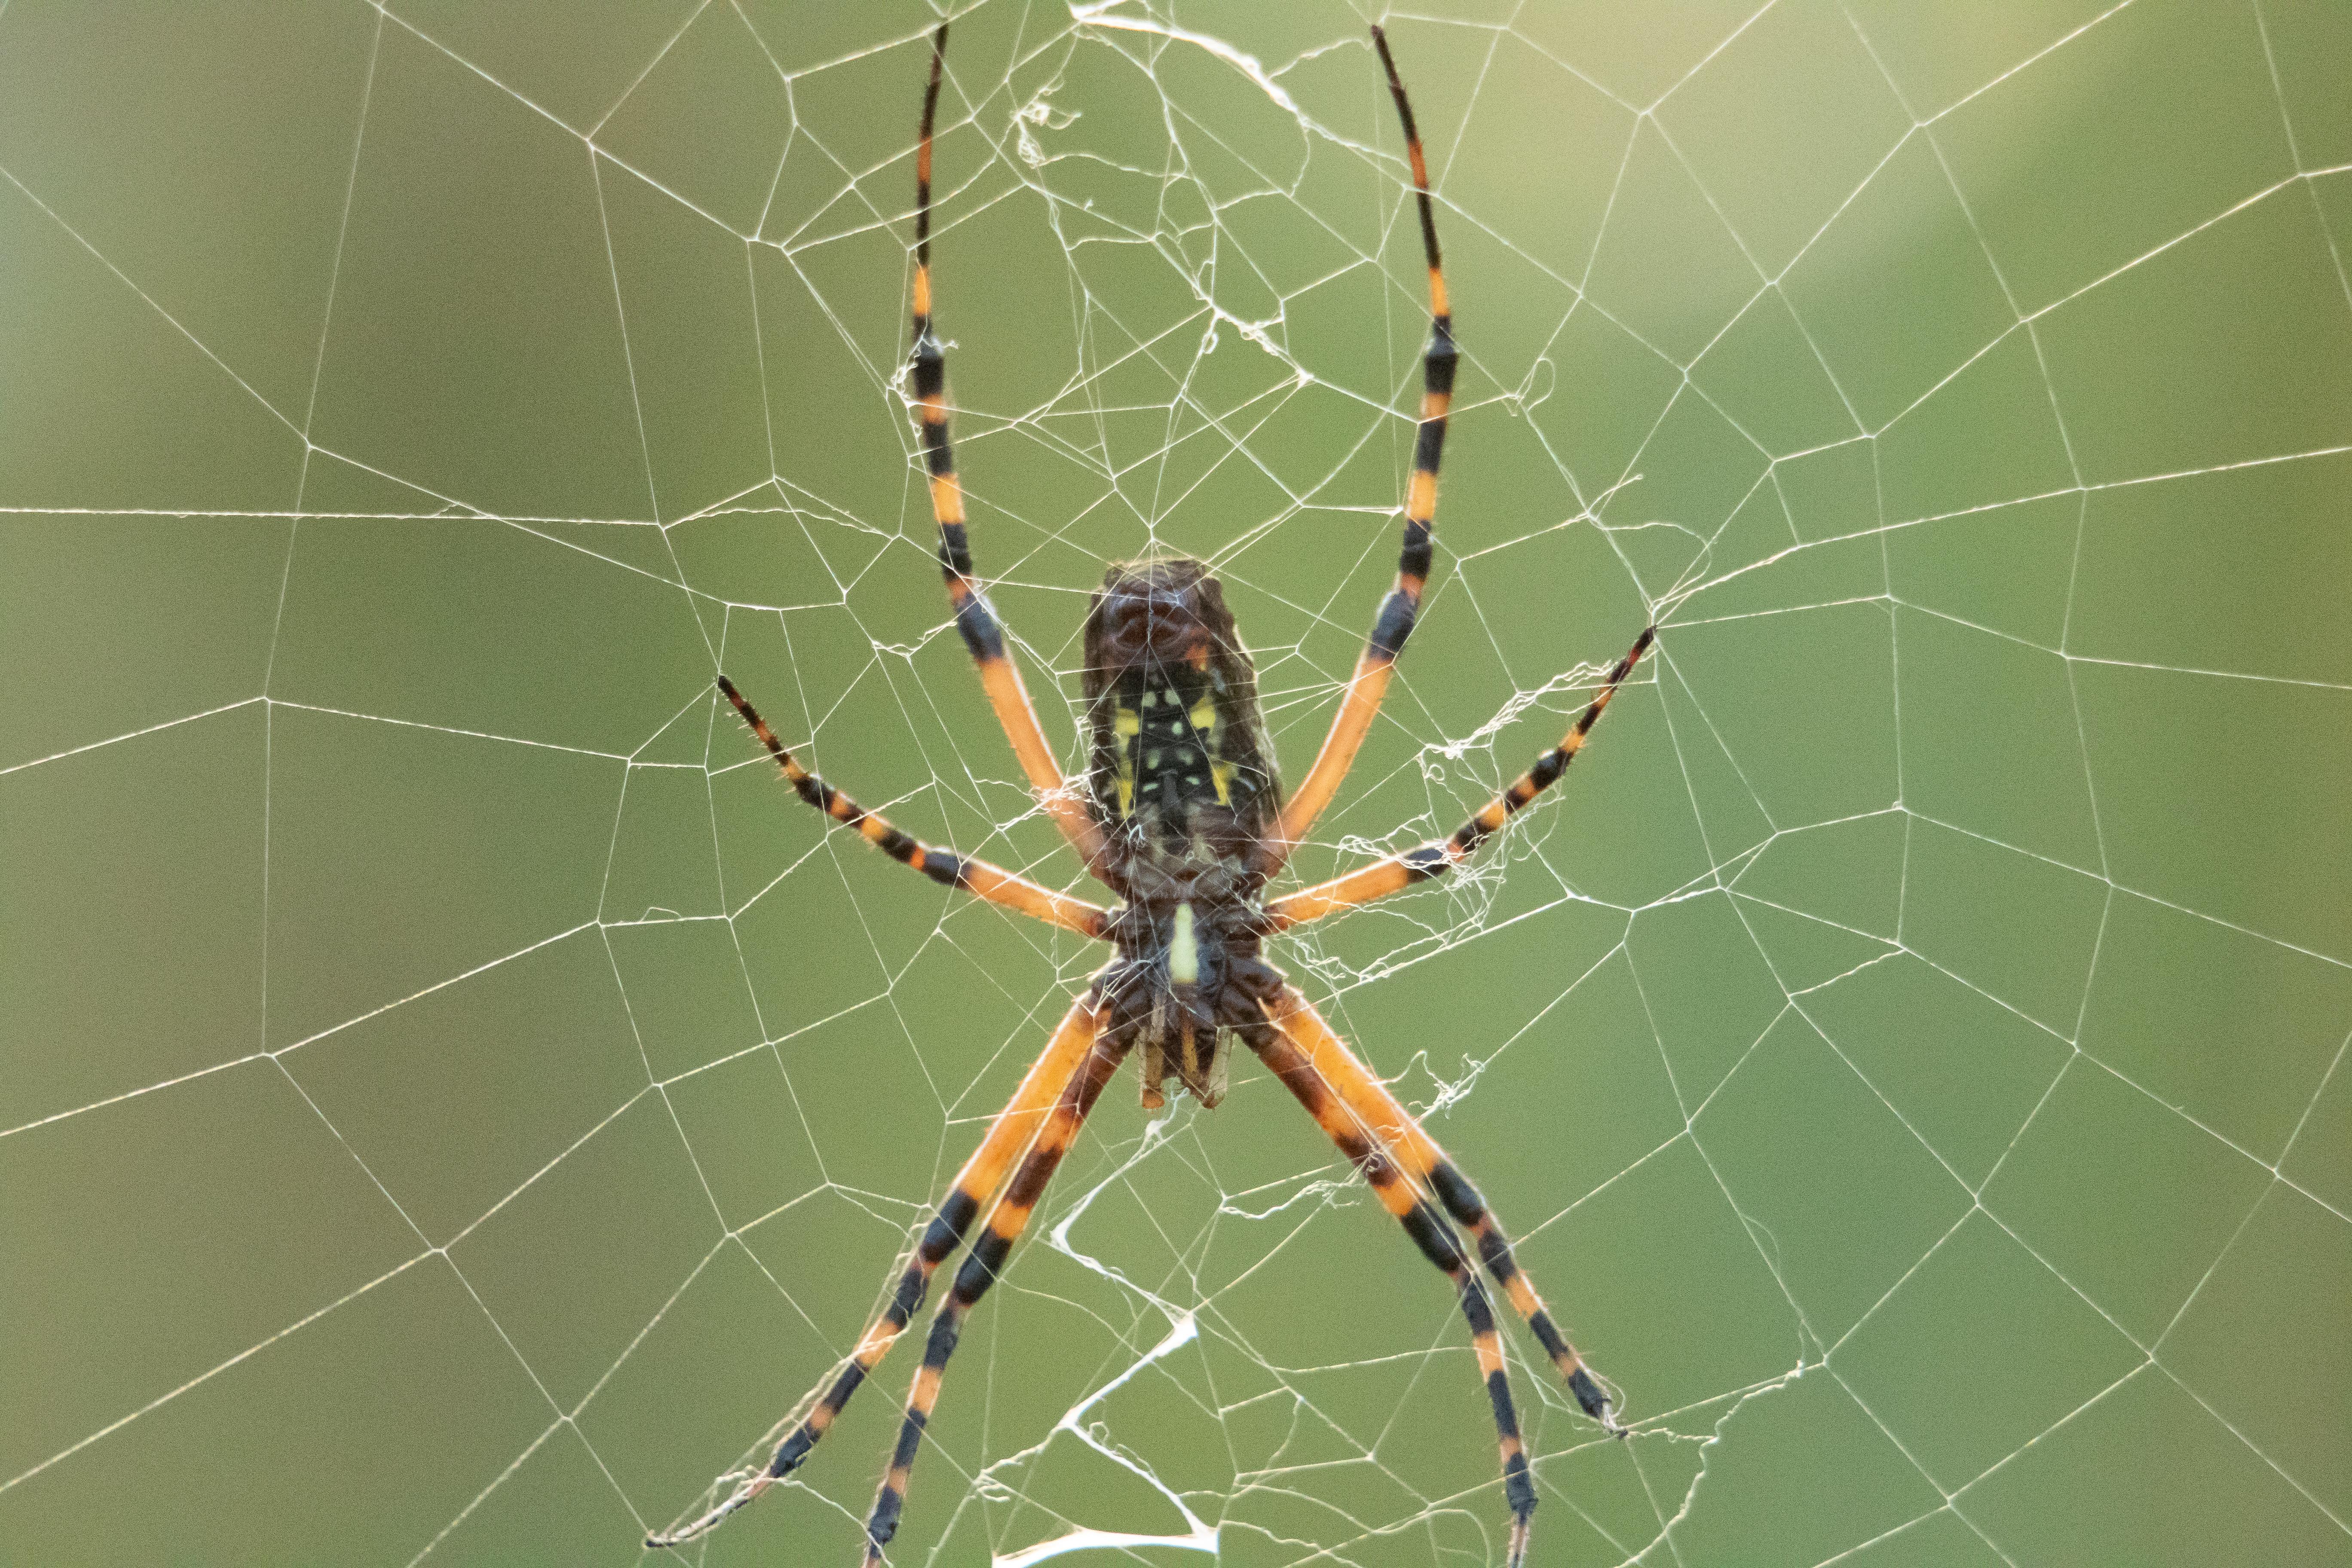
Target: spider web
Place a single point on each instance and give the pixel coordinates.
(455, 1102)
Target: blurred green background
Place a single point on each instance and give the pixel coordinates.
(454, 1102)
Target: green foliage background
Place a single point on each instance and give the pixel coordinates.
(451, 1103)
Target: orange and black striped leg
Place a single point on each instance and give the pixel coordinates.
(1469, 1210)
(1370, 1101)
(976, 622)
(1016, 1128)
(1434, 860)
(945, 867)
(1399, 1193)
(1361, 702)
(980, 1271)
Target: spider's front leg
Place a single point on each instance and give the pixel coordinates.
(976, 621)
(1361, 703)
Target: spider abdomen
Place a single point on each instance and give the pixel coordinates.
(1178, 769)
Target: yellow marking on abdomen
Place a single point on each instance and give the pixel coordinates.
(1207, 723)
(1126, 724)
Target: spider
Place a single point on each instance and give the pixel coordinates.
(1181, 815)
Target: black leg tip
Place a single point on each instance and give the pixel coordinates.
(1588, 1395)
(789, 1457)
(1519, 1489)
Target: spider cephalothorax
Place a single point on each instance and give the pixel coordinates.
(1180, 781)
(1181, 815)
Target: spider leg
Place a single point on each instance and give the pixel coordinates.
(1368, 1099)
(980, 1270)
(978, 878)
(1361, 702)
(1017, 1127)
(1305, 1078)
(1425, 861)
(976, 622)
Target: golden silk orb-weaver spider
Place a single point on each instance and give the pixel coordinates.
(1181, 815)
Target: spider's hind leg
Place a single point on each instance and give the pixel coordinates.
(1463, 1202)
(986, 1261)
(1399, 1193)
(1020, 1126)
(1368, 1102)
